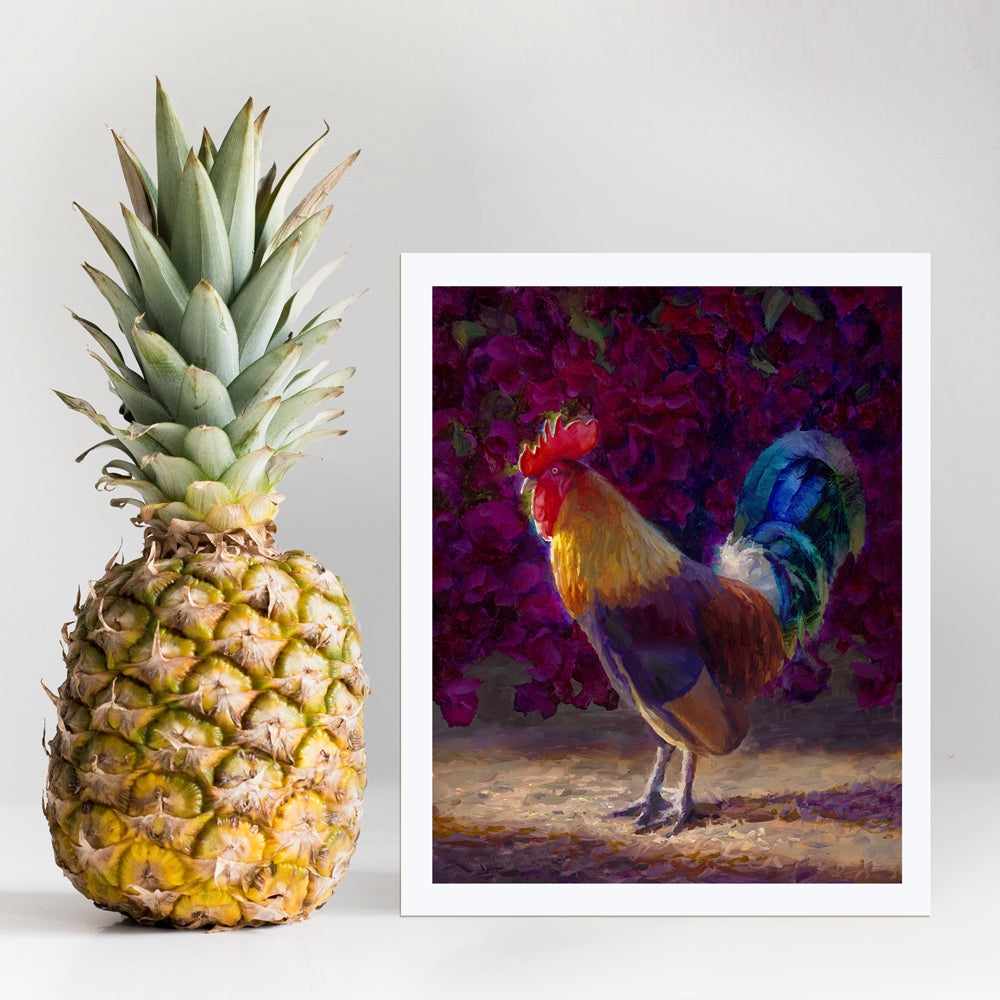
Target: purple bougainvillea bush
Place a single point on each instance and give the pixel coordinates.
(689, 386)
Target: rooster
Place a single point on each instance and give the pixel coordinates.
(686, 645)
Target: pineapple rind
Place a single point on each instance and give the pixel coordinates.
(209, 762)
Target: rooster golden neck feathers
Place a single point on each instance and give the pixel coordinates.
(602, 548)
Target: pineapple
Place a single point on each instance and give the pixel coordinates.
(209, 762)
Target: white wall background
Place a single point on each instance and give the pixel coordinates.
(522, 125)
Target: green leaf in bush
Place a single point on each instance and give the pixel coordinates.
(464, 331)
(774, 303)
(589, 329)
(498, 320)
(758, 359)
(684, 300)
(461, 442)
(805, 304)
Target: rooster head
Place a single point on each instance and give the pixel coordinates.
(550, 467)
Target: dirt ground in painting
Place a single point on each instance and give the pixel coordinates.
(813, 795)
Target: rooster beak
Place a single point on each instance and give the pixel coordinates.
(528, 484)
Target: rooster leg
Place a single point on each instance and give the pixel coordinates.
(651, 809)
(683, 808)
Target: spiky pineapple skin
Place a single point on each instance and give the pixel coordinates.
(209, 763)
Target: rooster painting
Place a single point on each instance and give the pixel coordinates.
(686, 645)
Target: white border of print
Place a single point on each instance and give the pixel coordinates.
(419, 274)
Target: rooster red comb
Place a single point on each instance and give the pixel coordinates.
(572, 440)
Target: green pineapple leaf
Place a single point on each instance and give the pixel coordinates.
(314, 338)
(307, 234)
(294, 406)
(141, 189)
(271, 212)
(200, 244)
(249, 473)
(258, 306)
(301, 441)
(163, 365)
(202, 496)
(111, 349)
(305, 208)
(203, 399)
(209, 448)
(207, 151)
(234, 176)
(208, 336)
(258, 138)
(294, 306)
(127, 442)
(285, 457)
(249, 430)
(149, 492)
(143, 406)
(127, 311)
(118, 254)
(165, 436)
(166, 292)
(335, 311)
(298, 433)
(172, 474)
(309, 377)
(266, 377)
(280, 463)
(171, 152)
(129, 469)
(264, 187)
(106, 443)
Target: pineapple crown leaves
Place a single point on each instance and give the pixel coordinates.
(211, 371)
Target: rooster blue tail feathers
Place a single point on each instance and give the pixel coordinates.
(800, 512)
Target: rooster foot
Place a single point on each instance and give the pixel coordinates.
(681, 818)
(651, 812)
(654, 812)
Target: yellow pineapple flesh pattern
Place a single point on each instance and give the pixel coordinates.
(209, 762)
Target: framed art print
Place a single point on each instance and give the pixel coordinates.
(665, 584)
